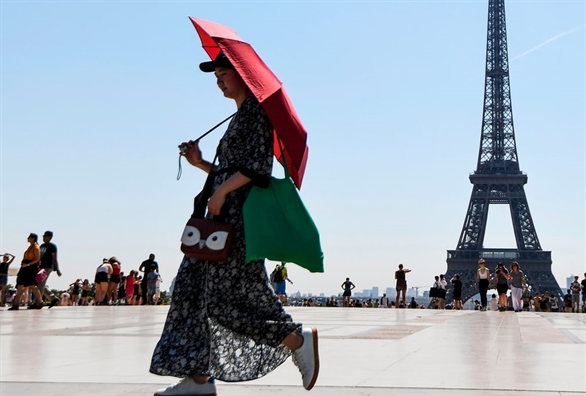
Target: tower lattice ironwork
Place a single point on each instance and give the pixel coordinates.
(499, 180)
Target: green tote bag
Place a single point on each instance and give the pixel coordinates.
(277, 226)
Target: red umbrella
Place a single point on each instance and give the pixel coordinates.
(265, 86)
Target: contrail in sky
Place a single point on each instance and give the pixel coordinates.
(546, 42)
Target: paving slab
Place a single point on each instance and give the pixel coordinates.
(363, 351)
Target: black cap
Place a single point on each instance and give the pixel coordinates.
(48, 233)
(220, 61)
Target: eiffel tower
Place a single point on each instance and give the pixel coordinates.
(499, 180)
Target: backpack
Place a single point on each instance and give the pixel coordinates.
(277, 275)
(272, 276)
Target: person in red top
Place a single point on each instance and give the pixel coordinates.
(130, 287)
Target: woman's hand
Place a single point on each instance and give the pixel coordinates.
(216, 202)
(193, 153)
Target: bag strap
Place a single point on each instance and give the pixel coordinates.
(201, 200)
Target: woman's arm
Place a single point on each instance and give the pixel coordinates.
(217, 200)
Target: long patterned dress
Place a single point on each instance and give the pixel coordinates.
(225, 320)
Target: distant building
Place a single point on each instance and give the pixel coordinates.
(374, 293)
(569, 281)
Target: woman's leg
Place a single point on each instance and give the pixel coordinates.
(3, 295)
(38, 298)
(516, 297)
(18, 296)
(99, 296)
(503, 301)
(483, 286)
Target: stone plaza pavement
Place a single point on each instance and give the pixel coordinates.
(363, 351)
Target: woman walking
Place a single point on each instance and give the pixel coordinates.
(75, 288)
(482, 280)
(501, 279)
(206, 335)
(27, 274)
(85, 290)
(517, 279)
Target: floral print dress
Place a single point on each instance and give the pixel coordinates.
(225, 320)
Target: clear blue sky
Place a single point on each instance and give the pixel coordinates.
(97, 95)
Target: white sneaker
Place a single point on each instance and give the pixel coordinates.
(306, 358)
(188, 387)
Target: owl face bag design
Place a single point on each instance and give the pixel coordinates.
(207, 239)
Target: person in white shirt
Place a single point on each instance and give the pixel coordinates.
(494, 303)
(157, 289)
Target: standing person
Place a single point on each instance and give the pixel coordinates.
(75, 291)
(114, 280)
(281, 278)
(130, 288)
(575, 287)
(401, 285)
(457, 284)
(583, 284)
(122, 289)
(137, 289)
(146, 267)
(482, 280)
(7, 259)
(85, 291)
(554, 304)
(157, 289)
(102, 278)
(203, 327)
(153, 276)
(347, 286)
(501, 285)
(49, 263)
(442, 284)
(27, 274)
(544, 302)
(434, 292)
(517, 279)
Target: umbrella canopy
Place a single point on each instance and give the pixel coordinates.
(266, 87)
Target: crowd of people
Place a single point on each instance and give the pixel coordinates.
(110, 286)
